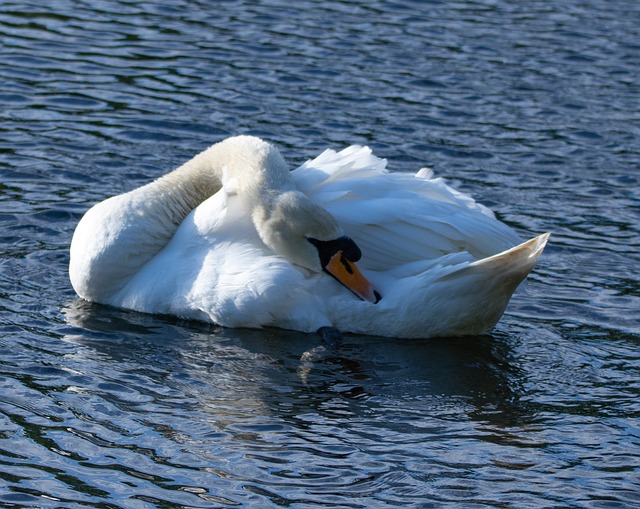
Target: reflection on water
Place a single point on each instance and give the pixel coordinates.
(370, 417)
(470, 371)
(530, 107)
(256, 409)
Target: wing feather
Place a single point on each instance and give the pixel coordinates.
(398, 217)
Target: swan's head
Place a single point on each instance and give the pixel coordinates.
(307, 235)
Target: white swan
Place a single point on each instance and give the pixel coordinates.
(234, 238)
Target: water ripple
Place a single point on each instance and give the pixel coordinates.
(530, 107)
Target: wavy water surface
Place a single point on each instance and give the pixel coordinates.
(530, 107)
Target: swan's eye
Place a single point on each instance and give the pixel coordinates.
(350, 249)
(328, 248)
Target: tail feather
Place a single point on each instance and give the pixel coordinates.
(489, 284)
(514, 262)
(521, 258)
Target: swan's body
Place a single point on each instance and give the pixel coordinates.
(225, 239)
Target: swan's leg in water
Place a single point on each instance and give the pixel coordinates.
(330, 338)
(329, 335)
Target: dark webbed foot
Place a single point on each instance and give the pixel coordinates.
(330, 338)
(329, 335)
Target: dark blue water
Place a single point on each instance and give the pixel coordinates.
(531, 107)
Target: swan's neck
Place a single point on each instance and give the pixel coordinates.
(120, 235)
(245, 165)
(176, 194)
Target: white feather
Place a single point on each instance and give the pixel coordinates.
(443, 263)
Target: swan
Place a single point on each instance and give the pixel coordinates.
(233, 237)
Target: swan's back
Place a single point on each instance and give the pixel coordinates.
(399, 218)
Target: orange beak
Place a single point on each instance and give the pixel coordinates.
(346, 272)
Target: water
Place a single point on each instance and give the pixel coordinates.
(532, 107)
